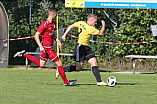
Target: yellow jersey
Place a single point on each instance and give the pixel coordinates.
(85, 32)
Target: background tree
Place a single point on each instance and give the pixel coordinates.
(134, 25)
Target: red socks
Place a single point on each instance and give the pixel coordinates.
(62, 74)
(33, 59)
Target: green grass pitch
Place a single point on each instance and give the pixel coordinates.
(25, 86)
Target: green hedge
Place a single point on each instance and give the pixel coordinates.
(134, 25)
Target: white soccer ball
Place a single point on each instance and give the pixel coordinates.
(111, 81)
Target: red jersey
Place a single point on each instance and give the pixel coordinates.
(47, 30)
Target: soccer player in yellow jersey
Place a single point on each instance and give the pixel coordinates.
(82, 50)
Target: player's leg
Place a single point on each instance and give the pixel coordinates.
(96, 72)
(94, 68)
(78, 56)
(62, 73)
(60, 70)
(42, 63)
(30, 57)
(79, 66)
(91, 59)
(53, 57)
(71, 68)
(43, 59)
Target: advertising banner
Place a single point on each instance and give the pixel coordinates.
(111, 4)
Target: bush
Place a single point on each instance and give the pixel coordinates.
(134, 25)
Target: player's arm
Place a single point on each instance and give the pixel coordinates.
(36, 36)
(57, 40)
(101, 32)
(67, 31)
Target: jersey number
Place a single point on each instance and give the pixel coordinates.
(80, 31)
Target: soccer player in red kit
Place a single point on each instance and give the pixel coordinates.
(46, 30)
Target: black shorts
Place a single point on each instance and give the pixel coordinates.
(82, 53)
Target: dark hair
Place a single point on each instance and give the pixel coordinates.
(53, 10)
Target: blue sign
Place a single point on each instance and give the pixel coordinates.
(125, 4)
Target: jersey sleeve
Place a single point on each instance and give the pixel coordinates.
(77, 24)
(41, 28)
(94, 31)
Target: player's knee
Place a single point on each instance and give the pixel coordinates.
(94, 64)
(59, 62)
(41, 65)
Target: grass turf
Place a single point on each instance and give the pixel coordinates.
(21, 86)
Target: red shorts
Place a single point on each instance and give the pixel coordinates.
(50, 53)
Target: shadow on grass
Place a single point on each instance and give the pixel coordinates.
(85, 84)
(73, 85)
(127, 84)
(77, 85)
(116, 84)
